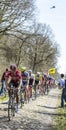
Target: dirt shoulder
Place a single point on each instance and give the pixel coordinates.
(39, 114)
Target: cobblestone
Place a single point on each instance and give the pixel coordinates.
(36, 115)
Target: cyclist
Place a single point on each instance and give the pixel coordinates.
(37, 80)
(3, 89)
(43, 83)
(25, 80)
(30, 72)
(31, 83)
(13, 77)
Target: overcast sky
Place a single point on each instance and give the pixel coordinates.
(56, 18)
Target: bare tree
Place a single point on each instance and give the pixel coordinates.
(13, 14)
(43, 50)
(33, 46)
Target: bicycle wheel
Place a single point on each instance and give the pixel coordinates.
(11, 108)
(21, 99)
(44, 89)
(47, 89)
(27, 94)
(35, 91)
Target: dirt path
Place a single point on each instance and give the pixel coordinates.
(37, 115)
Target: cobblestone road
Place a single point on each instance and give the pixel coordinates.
(36, 115)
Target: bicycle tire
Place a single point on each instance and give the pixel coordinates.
(21, 99)
(11, 108)
(28, 96)
(35, 91)
(44, 89)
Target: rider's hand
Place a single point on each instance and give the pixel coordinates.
(17, 88)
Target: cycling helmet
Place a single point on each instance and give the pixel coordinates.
(30, 71)
(13, 67)
(32, 76)
(38, 73)
(23, 69)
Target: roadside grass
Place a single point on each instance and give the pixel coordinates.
(3, 98)
(60, 119)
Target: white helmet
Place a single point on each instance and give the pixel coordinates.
(29, 71)
(32, 76)
(38, 73)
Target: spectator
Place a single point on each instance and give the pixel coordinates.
(61, 85)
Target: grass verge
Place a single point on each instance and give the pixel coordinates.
(3, 98)
(60, 119)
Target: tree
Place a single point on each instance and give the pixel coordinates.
(22, 43)
(44, 50)
(13, 14)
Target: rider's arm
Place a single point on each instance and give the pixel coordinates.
(33, 81)
(28, 79)
(20, 84)
(7, 79)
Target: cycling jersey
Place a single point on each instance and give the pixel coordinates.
(37, 79)
(31, 81)
(25, 77)
(15, 77)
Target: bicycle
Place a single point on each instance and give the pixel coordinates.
(11, 104)
(22, 91)
(35, 87)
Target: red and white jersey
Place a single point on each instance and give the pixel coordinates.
(14, 76)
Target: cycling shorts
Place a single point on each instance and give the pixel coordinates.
(15, 84)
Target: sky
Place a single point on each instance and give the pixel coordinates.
(56, 18)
